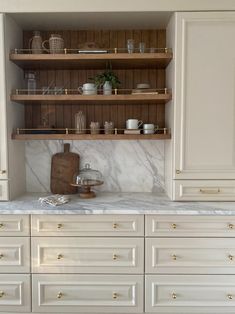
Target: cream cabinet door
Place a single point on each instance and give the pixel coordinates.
(88, 293)
(184, 294)
(87, 255)
(14, 255)
(3, 127)
(204, 130)
(88, 225)
(15, 293)
(190, 256)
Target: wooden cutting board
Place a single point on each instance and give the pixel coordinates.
(63, 167)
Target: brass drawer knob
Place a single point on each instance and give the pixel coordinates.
(1, 225)
(230, 297)
(1, 256)
(231, 257)
(59, 295)
(2, 293)
(3, 171)
(115, 295)
(115, 225)
(177, 171)
(59, 226)
(115, 257)
(174, 257)
(231, 226)
(174, 296)
(59, 256)
(173, 226)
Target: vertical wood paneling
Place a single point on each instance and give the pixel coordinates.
(63, 115)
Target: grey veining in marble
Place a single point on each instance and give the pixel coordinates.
(117, 203)
(127, 166)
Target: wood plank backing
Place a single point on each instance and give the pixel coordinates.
(62, 115)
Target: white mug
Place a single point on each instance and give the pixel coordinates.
(88, 89)
(133, 123)
(148, 128)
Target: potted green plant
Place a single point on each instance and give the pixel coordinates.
(108, 80)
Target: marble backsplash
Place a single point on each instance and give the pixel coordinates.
(127, 166)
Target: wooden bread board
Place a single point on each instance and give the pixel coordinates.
(63, 167)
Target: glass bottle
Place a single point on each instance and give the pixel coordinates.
(31, 83)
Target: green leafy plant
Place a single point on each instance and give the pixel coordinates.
(107, 75)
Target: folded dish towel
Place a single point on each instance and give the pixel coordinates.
(54, 200)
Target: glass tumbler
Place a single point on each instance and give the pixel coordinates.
(142, 47)
(130, 45)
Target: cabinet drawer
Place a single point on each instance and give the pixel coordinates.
(4, 190)
(190, 294)
(14, 225)
(204, 190)
(89, 255)
(190, 226)
(14, 255)
(15, 293)
(187, 256)
(88, 293)
(88, 225)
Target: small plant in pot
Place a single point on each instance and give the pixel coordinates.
(107, 80)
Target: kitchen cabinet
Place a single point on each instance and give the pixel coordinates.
(203, 118)
(3, 127)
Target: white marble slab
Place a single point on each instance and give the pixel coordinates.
(117, 203)
(127, 166)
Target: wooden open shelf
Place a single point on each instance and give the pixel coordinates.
(92, 61)
(30, 137)
(94, 99)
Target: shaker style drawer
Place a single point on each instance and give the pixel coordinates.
(89, 255)
(14, 255)
(190, 256)
(190, 226)
(202, 190)
(15, 293)
(186, 294)
(14, 225)
(87, 225)
(88, 293)
(4, 190)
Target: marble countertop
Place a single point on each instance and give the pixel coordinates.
(117, 203)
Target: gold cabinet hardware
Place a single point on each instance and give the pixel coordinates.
(230, 297)
(177, 171)
(59, 256)
(173, 296)
(231, 257)
(2, 293)
(1, 225)
(174, 257)
(1, 256)
(59, 226)
(115, 257)
(115, 295)
(209, 191)
(59, 295)
(3, 171)
(231, 226)
(115, 225)
(173, 226)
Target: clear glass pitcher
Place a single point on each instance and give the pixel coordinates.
(35, 43)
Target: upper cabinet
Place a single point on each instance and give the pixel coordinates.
(200, 161)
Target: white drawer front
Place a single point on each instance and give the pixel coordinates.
(14, 255)
(190, 256)
(4, 190)
(87, 225)
(14, 225)
(88, 293)
(190, 294)
(89, 255)
(15, 293)
(202, 190)
(190, 226)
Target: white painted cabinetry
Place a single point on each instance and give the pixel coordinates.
(203, 109)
